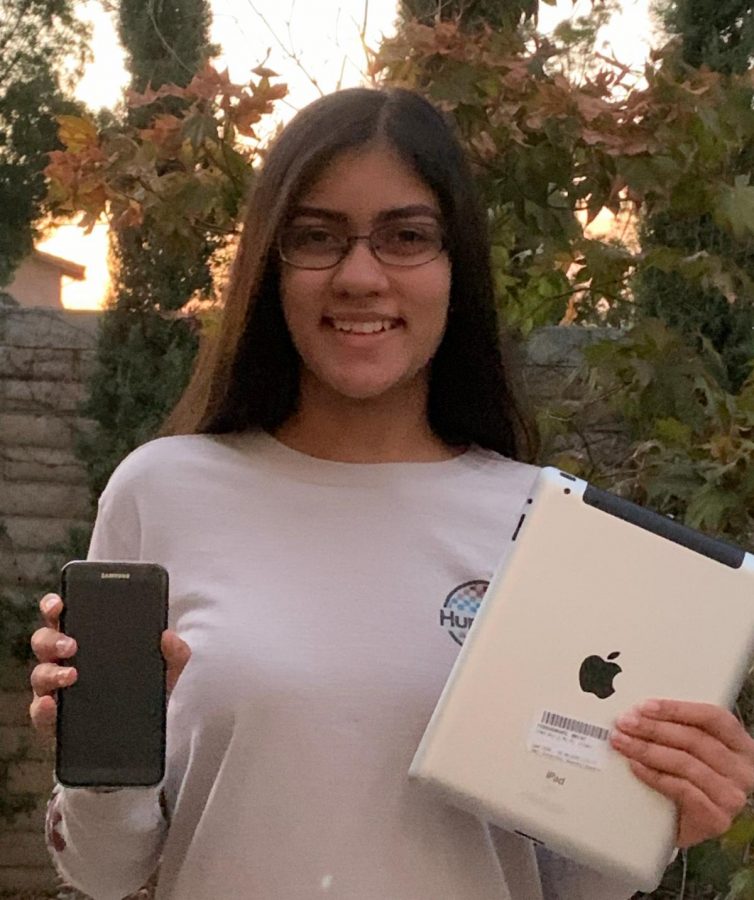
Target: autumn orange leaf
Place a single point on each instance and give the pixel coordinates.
(77, 132)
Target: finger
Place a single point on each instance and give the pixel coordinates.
(695, 741)
(710, 718)
(46, 678)
(721, 792)
(51, 606)
(43, 712)
(177, 654)
(699, 818)
(49, 645)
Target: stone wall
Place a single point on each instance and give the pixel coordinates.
(44, 359)
(552, 370)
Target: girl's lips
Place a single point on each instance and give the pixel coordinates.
(354, 337)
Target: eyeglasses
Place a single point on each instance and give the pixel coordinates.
(395, 244)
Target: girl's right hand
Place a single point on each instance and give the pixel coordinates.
(51, 647)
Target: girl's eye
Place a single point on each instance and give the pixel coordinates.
(408, 239)
(410, 235)
(314, 236)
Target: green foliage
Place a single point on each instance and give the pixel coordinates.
(37, 38)
(174, 190)
(143, 363)
(144, 358)
(550, 155)
(17, 619)
(576, 39)
(166, 41)
(494, 13)
(182, 178)
(716, 870)
(16, 803)
(705, 304)
(716, 33)
(692, 454)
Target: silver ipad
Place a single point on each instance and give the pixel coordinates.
(597, 605)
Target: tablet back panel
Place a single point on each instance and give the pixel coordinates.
(517, 739)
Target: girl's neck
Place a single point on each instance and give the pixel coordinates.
(383, 429)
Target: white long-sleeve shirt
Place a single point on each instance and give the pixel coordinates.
(314, 596)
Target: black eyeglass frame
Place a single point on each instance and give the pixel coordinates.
(347, 245)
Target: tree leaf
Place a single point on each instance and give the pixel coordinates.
(671, 431)
(741, 885)
(741, 832)
(708, 507)
(735, 207)
(77, 132)
(198, 128)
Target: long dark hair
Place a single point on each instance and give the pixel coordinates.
(248, 377)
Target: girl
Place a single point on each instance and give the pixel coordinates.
(348, 456)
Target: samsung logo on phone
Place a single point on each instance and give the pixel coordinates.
(115, 575)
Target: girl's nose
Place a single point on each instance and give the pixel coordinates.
(360, 270)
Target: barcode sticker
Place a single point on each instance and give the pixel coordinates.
(564, 738)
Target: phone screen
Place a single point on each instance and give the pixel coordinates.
(111, 721)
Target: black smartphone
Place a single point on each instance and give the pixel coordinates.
(111, 721)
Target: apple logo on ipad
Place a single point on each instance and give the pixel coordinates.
(596, 675)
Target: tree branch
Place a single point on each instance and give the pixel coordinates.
(170, 49)
(289, 52)
(21, 13)
(10, 67)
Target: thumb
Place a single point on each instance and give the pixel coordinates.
(176, 653)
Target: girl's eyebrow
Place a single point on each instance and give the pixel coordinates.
(407, 212)
(386, 215)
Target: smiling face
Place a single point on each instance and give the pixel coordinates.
(366, 329)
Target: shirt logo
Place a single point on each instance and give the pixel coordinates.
(460, 608)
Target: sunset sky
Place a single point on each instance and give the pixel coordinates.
(324, 35)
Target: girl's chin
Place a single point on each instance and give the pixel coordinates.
(362, 392)
(367, 388)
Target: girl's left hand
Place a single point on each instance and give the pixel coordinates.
(697, 754)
